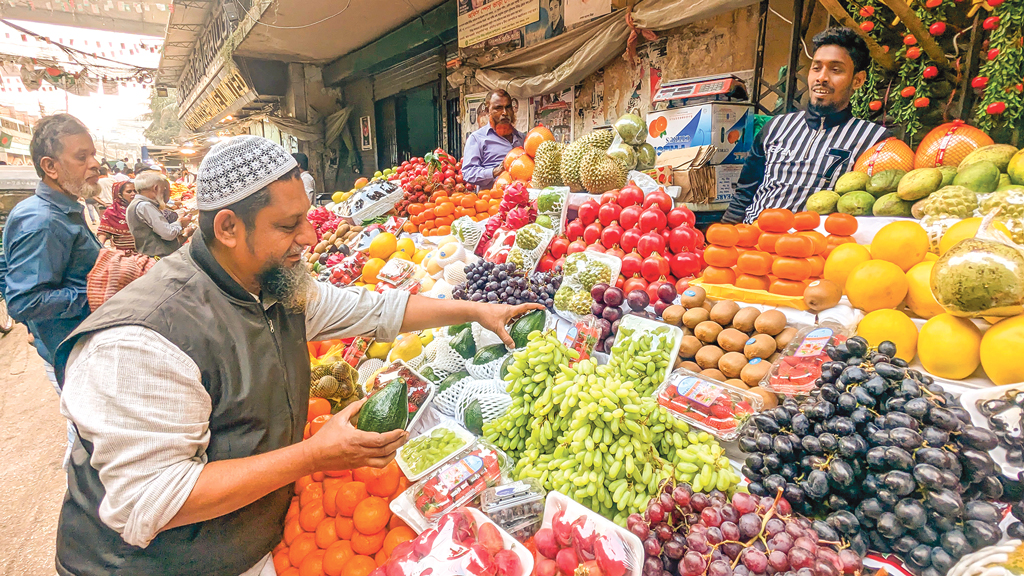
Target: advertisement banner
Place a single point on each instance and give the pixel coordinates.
(483, 19)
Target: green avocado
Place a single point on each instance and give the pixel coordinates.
(464, 344)
(451, 380)
(527, 323)
(489, 354)
(386, 409)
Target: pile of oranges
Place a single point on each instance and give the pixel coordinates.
(780, 253)
(434, 218)
(339, 523)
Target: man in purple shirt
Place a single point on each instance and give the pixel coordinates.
(486, 148)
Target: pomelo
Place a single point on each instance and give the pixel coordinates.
(949, 347)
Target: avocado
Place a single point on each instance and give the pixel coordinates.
(451, 380)
(428, 373)
(386, 409)
(503, 371)
(489, 354)
(454, 329)
(473, 418)
(521, 328)
(464, 344)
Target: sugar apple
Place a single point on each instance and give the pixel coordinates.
(562, 297)
(548, 200)
(1010, 201)
(952, 200)
(581, 302)
(528, 237)
(517, 257)
(572, 263)
(596, 272)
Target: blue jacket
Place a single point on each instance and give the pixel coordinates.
(48, 252)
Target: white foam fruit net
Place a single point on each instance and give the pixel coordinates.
(468, 232)
(445, 359)
(444, 259)
(447, 402)
(485, 371)
(367, 369)
(455, 273)
(494, 401)
(484, 337)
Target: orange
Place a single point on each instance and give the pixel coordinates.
(292, 530)
(330, 501)
(318, 423)
(301, 483)
(360, 565)
(318, 476)
(396, 522)
(787, 287)
(318, 407)
(748, 235)
(379, 481)
(344, 527)
(336, 479)
(381, 558)
(281, 562)
(396, 536)
(349, 496)
(481, 206)
(371, 515)
(657, 126)
(337, 556)
(313, 565)
(841, 224)
(522, 168)
(314, 493)
(311, 516)
(791, 268)
(722, 235)
(806, 220)
(293, 511)
(751, 282)
(842, 260)
(280, 546)
(293, 571)
(301, 548)
(775, 220)
(512, 155)
(793, 246)
(367, 544)
(536, 137)
(755, 263)
(716, 275)
(720, 256)
(326, 533)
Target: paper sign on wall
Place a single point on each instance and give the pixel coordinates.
(483, 19)
(579, 11)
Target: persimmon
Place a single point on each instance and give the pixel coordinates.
(794, 246)
(841, 224)
(766, 242)
(748, 235)
(337, 556)
(408, 227)
(415, 209)
(817, 265)
(722, 235)
(480, 205)
(755, 263)
(751, 282)
(367, 544)
(317, 423)
(791, 268)
(444, 230)
(720, 256)
(819, 240)
(787, 287)
(835, 240)
(716, 275)
(775, 220)
(806, 220)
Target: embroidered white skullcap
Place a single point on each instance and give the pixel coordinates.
(237, 168)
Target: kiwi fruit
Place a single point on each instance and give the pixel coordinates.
(759, 346)
(771, 322)
(678, 364)
(707, 332)
(689, 346)
(708, 356)
(694, 316)
(822, 295)
(732, 340)
(731, 363)
(713, 374)
(692, 297)
(673, 314)
(774, 357)
(691, 366)
(782, 339)
(707, 305)
(754, 371)
(745, 318)
(737, 383)
(724, 311)
(770, 399)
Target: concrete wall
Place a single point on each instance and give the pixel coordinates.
(359, 95)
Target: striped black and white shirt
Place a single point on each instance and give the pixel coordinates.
(796, 155)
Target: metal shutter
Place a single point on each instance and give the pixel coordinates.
(414, 72)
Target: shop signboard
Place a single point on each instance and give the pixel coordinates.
(227, 90)
(483, 19)
(727, 126)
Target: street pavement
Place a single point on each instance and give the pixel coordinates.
(32, 438)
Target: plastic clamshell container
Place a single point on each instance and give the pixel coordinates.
(799, 366)
(640, 325)
(557, 502)
(969, 400)
(461, 433)
(525, 557)
(713, 406)
(476, 468)
(518, 507)
(393, 371)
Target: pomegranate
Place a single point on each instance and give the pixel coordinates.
(629, 239)
(608, 213)
(559, 247)
(660, 199)
(680, 215)
(611, 196)
(592, 233)
(651, 271)
(682, 239)
(630, 216)
(631, 264)
(684, 264)
(631, 195)
(650, 243)
(617, 252)
(634, 284)
(652, 219)
(574, 230)
(611, 235)
(588, 211)
(577, 246)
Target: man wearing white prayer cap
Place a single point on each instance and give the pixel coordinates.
(190, 387)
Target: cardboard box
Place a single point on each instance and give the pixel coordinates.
(661, 174)
(726, 177)
(729, 127)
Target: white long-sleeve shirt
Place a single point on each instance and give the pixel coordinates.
(140, 401)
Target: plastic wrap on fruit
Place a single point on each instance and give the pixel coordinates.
(459, 482)
(520, 216)
(562, 529)
(611, 555)
(981, 276)
(584, 534)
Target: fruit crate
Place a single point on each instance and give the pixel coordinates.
(715, 407)
(572, 510)
(460, 432)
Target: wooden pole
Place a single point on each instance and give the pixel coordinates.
(917, 28)
(884, 59)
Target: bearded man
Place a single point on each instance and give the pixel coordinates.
(485, 150)
(190, 386)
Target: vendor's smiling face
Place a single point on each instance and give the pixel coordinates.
(832, 79)
(281, 231)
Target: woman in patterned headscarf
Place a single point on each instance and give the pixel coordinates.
(114, 224)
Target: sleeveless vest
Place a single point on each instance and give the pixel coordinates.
(147, 241)
(255, 366)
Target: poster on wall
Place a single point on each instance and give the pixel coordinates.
(555, 112)
(364, 133)
(483, 19)
(580, 11)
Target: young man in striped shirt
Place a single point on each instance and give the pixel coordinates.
(797, 154)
